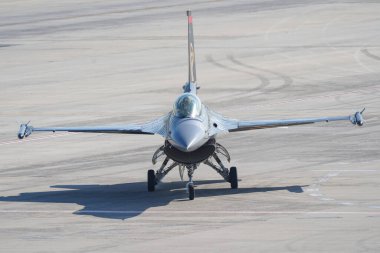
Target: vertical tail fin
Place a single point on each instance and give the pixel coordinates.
(192, 72)
(191, 85)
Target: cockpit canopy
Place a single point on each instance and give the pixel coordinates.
(187, 106)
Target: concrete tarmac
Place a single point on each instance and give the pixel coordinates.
(311, 188)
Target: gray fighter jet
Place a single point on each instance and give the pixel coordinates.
(190, 132)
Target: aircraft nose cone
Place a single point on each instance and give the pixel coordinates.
(188, 135)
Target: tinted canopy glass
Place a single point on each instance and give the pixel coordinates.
(187, 106)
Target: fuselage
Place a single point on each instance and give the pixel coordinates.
(188, 126)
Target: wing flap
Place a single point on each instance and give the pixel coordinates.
(254, 125)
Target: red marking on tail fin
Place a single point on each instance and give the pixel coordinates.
(190, 19)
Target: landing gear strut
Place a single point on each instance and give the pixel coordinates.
(156, 177)
(229, 175)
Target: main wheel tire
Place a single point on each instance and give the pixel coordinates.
(233, 178)
(151, 180)
(191, 192)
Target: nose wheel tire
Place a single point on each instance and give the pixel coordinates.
(233, 178)
(190, 189)
(151, 180)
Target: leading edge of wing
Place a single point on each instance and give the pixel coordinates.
(157, 126)
(233, 125)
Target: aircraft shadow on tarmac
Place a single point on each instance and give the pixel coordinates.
(123, 201)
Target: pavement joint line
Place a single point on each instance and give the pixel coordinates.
(35, 139)
(190, 212)
(348, 170)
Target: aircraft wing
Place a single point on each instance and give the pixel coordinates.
(157, 126)
(232, 125)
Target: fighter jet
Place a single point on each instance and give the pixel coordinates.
(190, 131)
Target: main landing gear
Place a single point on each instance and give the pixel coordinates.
(229, 175)
(151, 181)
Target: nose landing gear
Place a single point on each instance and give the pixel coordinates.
(190, 190)
(190, 184)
